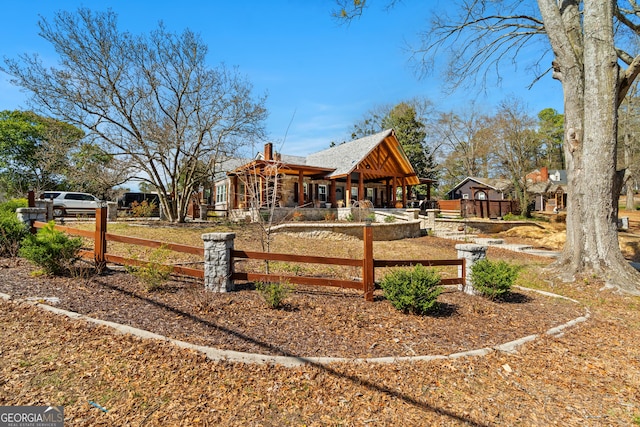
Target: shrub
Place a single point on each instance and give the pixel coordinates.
(493, 279)
(274, 294)
(412, 290)
(143, 209)
(153, 273)
(389, 219)
(51, 249)
(12, 231)
(10, 206)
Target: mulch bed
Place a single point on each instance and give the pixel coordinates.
(314, 321)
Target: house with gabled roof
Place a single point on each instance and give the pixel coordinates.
(374, 168)
(473, 188)
(548, 189)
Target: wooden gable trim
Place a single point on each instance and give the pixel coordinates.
(386, 161)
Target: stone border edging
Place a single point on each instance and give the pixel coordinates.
(218, 355)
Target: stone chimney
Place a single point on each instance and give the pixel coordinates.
(268, 151)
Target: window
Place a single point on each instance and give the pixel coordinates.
(221, 193)
(322, 193)
(465, 196)
(481, 195)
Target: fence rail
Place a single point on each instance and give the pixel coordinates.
(368, 264)
(100, 255)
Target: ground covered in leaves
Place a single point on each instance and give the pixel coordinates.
(313, 321)
(590, 376)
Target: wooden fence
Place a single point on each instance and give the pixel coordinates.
(368, 264)
(478, 208)
(101, 237)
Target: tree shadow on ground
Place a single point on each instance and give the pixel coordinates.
(362, 381)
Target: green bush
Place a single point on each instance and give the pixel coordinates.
(153, 273)
(12, 231)
(493, 279)
(10, 206)
(51, 249)
(412, 290)
(274, 294)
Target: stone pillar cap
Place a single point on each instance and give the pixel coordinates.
(470, 247)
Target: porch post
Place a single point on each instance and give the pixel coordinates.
(404, 192)
(234, 199)
(300, 188)
(332, 193)
(347, 192)
(394, 191)
(361, 195)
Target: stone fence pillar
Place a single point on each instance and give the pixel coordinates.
(471, 253)
(218, 261)
(26, 215)
(112, 211)
(431, 218)
(47, 204)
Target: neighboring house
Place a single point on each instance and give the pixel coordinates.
(472, 188)
(480, 197)
(374, 168)
(548, 189)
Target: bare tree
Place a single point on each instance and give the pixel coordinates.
(516, 146)
(596, 66)
(466, 144)
(150, 99)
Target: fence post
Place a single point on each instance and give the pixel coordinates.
(31, 199)
(100, 246)
(218, 261)
(367, 263)
(470, 253)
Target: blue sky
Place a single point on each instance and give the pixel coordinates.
(320, 77)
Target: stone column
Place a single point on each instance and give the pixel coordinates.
(431, 218)
(218, 261)
(112, 211)
(413, 213)
(47, 204)
(204, 212)
(26, 215)
(471, 253)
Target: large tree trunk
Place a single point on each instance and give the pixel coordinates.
(590, 79)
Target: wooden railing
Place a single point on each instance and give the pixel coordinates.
(368, 264)
(101, 237)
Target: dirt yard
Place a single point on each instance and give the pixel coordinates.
(589, 376)
(551, 235)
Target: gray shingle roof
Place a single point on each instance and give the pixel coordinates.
(344, 157)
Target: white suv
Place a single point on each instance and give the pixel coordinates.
(65, 202)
